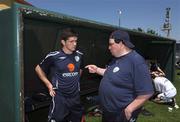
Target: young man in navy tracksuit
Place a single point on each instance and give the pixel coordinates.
(65, 69)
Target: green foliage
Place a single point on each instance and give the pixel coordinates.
(149, 31)
(139, 29)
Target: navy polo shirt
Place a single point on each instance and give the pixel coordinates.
(64, 70)
(125, 78)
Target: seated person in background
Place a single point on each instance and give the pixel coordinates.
(165, 90)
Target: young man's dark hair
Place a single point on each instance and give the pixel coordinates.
(68, 32)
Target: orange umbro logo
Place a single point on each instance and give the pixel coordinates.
(71, 67)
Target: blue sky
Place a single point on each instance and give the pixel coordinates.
(135, 13)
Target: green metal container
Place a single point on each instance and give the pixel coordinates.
(27, 34)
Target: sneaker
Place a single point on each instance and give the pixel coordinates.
(176, 106)
(97, 112)
(146, 112)
(170, 109)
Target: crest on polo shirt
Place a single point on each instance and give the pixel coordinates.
(76, 58)
(116, 69)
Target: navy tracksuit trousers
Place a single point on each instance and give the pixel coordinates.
(65, 109)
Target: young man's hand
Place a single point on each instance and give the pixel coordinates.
(51, 91)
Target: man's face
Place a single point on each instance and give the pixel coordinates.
(114, 47)
(70, 44)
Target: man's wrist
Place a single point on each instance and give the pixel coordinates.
(129, 109)
(97, 70)
(49, 86)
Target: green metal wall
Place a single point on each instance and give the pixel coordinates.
(6, 67)
(9, 68)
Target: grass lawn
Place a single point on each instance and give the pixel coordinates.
(160, 112)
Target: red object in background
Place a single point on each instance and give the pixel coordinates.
(23, 2)
(83, 118)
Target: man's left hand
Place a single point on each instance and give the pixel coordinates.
(128, 113)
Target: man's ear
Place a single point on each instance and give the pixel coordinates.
(63, 42)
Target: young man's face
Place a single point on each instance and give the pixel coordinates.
(70, 44)
(114, 47)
